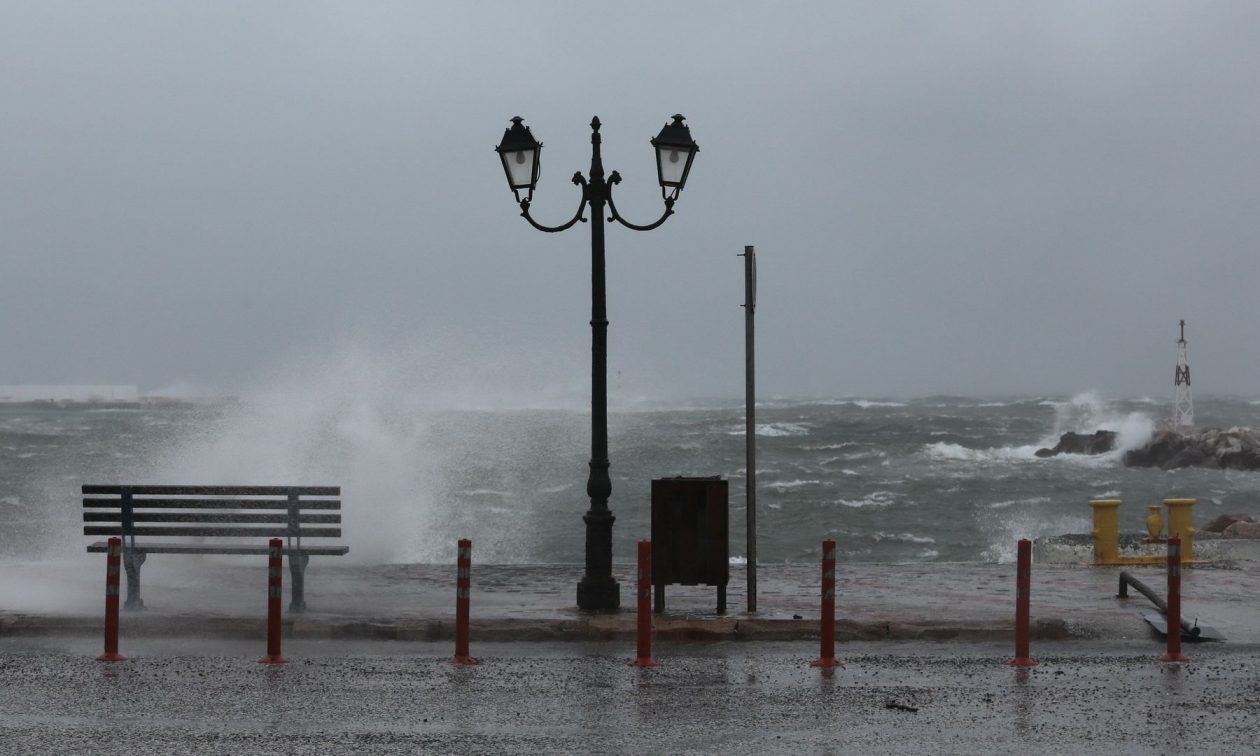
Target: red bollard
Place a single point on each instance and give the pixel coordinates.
(827, 654)
(113, 568)
(644, 630)
(1173, 654)
(463, 587)
(275, 564)
(1023, 587)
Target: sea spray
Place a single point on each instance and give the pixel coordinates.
(347, 425)
(1087, 412)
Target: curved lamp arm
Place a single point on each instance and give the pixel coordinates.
(615, 178)
(553, 229)
(578, 180)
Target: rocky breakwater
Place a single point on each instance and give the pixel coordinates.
(1233, 449)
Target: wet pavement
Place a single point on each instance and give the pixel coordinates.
(925, 646)
(391, 697)
(927, 601)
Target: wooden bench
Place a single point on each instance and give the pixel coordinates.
(213, 520)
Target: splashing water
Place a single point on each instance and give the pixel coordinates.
(338, 426)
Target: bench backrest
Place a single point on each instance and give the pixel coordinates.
(208, 511)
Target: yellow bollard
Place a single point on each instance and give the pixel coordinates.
(1154, 524)
(1106, 530)
(1180, 518)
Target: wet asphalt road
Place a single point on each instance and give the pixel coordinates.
(197, 696)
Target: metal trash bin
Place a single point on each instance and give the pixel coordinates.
(690, 527)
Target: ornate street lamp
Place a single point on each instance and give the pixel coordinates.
(674, 153)
(520, 153)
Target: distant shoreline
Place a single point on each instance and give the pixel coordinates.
(145, 403)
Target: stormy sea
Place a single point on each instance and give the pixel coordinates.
(919, 480)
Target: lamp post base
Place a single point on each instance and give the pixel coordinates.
(598, 594)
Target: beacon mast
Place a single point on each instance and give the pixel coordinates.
(1183, 409)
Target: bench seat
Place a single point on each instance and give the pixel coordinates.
(102, 547)
(230, 520)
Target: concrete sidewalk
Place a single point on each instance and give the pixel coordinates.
(924, 601)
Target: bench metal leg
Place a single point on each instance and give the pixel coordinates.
(721, 608)
(297, 568)
(132, 560)
(658, 598)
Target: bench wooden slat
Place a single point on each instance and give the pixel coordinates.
(116, 530)
(224, 517)
(101, 547)
(213, 503)
(162, 490)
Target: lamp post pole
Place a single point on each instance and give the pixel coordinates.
(598, 589)
(519, 151)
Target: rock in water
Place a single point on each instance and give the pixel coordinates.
(1224, 521)
(1243, 530)
(1099, 442)
(1162, 447)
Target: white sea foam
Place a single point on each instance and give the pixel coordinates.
(786, 485)
(1016, 502)
(773, 430)
(875, 500)
(957, 452)
(877, 454)
(847, 471)
(829, 447)
(902, 538)
(859, 403)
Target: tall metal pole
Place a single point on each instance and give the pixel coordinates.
(598, 589)
(750, 412)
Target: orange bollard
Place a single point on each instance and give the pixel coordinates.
(1173, 654)
(643, 633)
(275, 577)
(463, 588)
(827, 653)
(113, 568)
(1023, 588)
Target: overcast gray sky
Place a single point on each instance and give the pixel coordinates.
(972, 198)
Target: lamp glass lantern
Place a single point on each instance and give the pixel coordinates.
(675, 150)
(520, 154)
